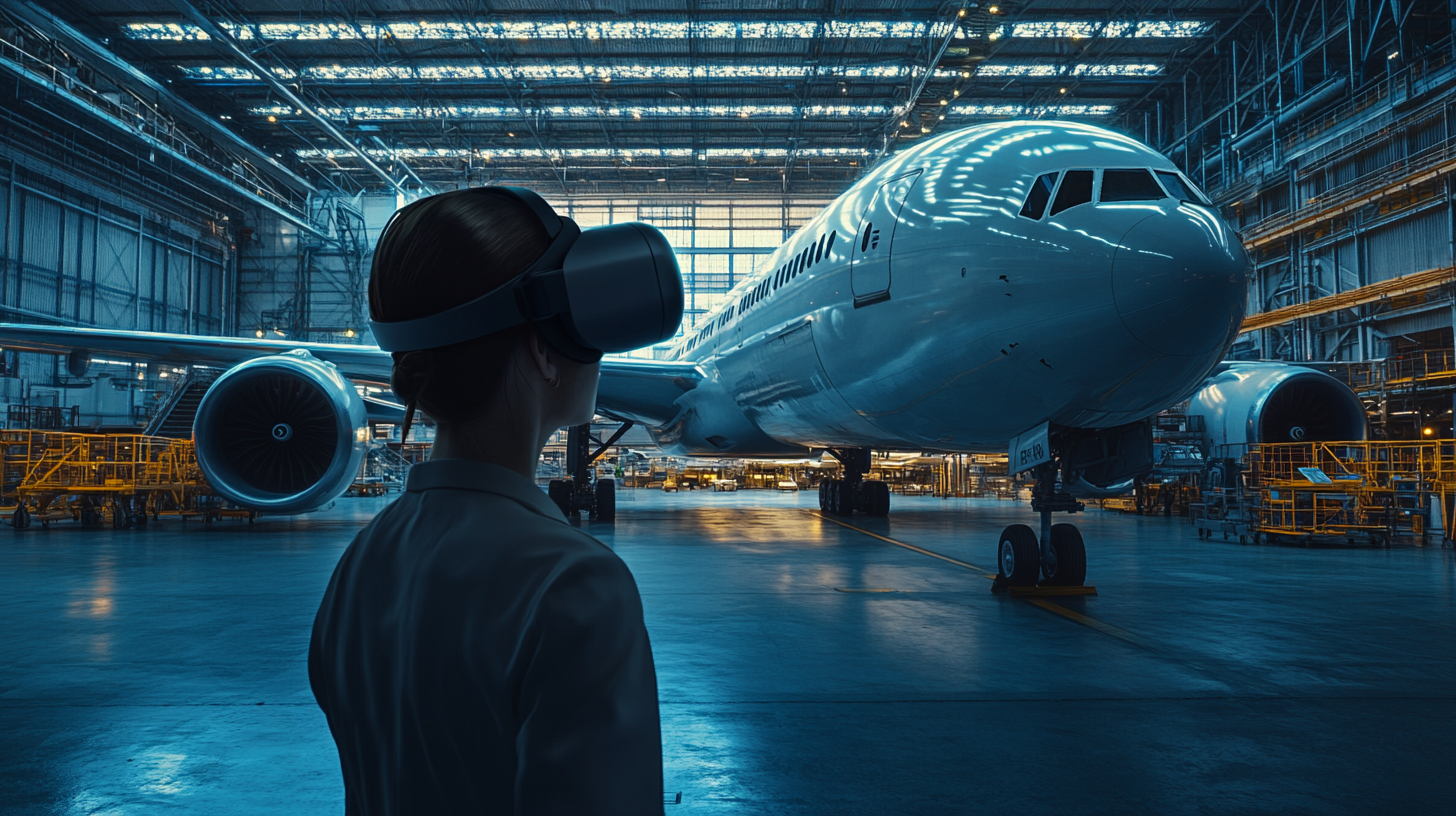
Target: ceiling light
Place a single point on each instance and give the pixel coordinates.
(1392, 55)
(1064, 90)
(904, 124)
(942, 117)
(961, 13)
(924, 129)
(994, 10)
(272, 118)
(661, 180)
(510, 134)
(956, 92)
(944, 102)
(260, 334)
(740, 179)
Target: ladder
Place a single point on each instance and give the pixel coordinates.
(174, 418)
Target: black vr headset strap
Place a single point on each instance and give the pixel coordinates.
(523, 298)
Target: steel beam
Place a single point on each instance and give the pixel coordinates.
(53, 26)
(231, 46)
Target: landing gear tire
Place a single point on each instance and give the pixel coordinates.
(559, 491)
(1069, 557)
(877, 499)
(21, 518)
(1018, 556)
(824, 495)
(606, 500)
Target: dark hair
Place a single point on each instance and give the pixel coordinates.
(438, 253)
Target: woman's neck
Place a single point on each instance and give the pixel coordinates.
(513, 445)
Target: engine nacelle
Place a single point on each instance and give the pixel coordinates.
(1251, 402)
(283, 434)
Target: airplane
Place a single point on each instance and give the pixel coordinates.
(1040, 288)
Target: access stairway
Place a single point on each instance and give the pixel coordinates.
(174, 419)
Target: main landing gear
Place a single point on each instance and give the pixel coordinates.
(854, 492)
(583, 491)
(1058, 556)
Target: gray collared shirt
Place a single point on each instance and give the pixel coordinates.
(475, 653)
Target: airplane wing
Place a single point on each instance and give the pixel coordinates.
(640, 390)
(358, 362)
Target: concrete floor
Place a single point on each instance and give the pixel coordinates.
(163, 671)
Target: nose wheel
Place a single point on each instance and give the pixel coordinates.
(1019, 556)
(1058, 557)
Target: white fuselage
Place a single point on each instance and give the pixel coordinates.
(922, 310)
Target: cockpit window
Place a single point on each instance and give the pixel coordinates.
(1076, 189)
(1041, 193)
(1179, 189)
(1129, 185)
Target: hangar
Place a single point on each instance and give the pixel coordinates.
(1047, 406)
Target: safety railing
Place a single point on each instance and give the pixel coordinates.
(55, 462)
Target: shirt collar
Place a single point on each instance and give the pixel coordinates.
(468, 474)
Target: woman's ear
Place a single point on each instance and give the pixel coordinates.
(544, 358)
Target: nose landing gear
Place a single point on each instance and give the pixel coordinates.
(1058, 556)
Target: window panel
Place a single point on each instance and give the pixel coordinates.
(1041, 193)
(1129, 185)
(1076, 189)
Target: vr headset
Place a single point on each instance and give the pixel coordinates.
(605, 289)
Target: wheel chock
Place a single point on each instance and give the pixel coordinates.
(999, 584)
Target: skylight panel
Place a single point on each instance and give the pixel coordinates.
(1129, 69)
(656, 30)
(1032, 110)
(565, 71)
(625, 154)
(415, 113)
(1082, 29)
(642, 72)
(1083, 70)
(510, 30)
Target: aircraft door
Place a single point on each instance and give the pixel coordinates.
(869, 265)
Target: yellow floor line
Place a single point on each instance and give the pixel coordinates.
(920, 550)
(1104, 628)
(1093, 623)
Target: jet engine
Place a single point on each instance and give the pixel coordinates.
(283, 434)
(1249, 402)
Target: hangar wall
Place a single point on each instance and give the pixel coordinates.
(1326, 135)
(74, 252)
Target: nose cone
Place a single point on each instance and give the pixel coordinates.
(1180, 281)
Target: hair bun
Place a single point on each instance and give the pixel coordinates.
(412, 373)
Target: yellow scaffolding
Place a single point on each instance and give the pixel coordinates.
(121, 478)
(1373, 489)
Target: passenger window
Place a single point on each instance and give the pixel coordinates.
(1129, 185)
(1076, 189)
(1176, 188)
(1041, 193)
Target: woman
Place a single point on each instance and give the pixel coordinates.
(475, 653)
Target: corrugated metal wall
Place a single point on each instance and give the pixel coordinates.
(73, 258)
(1413, 244)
